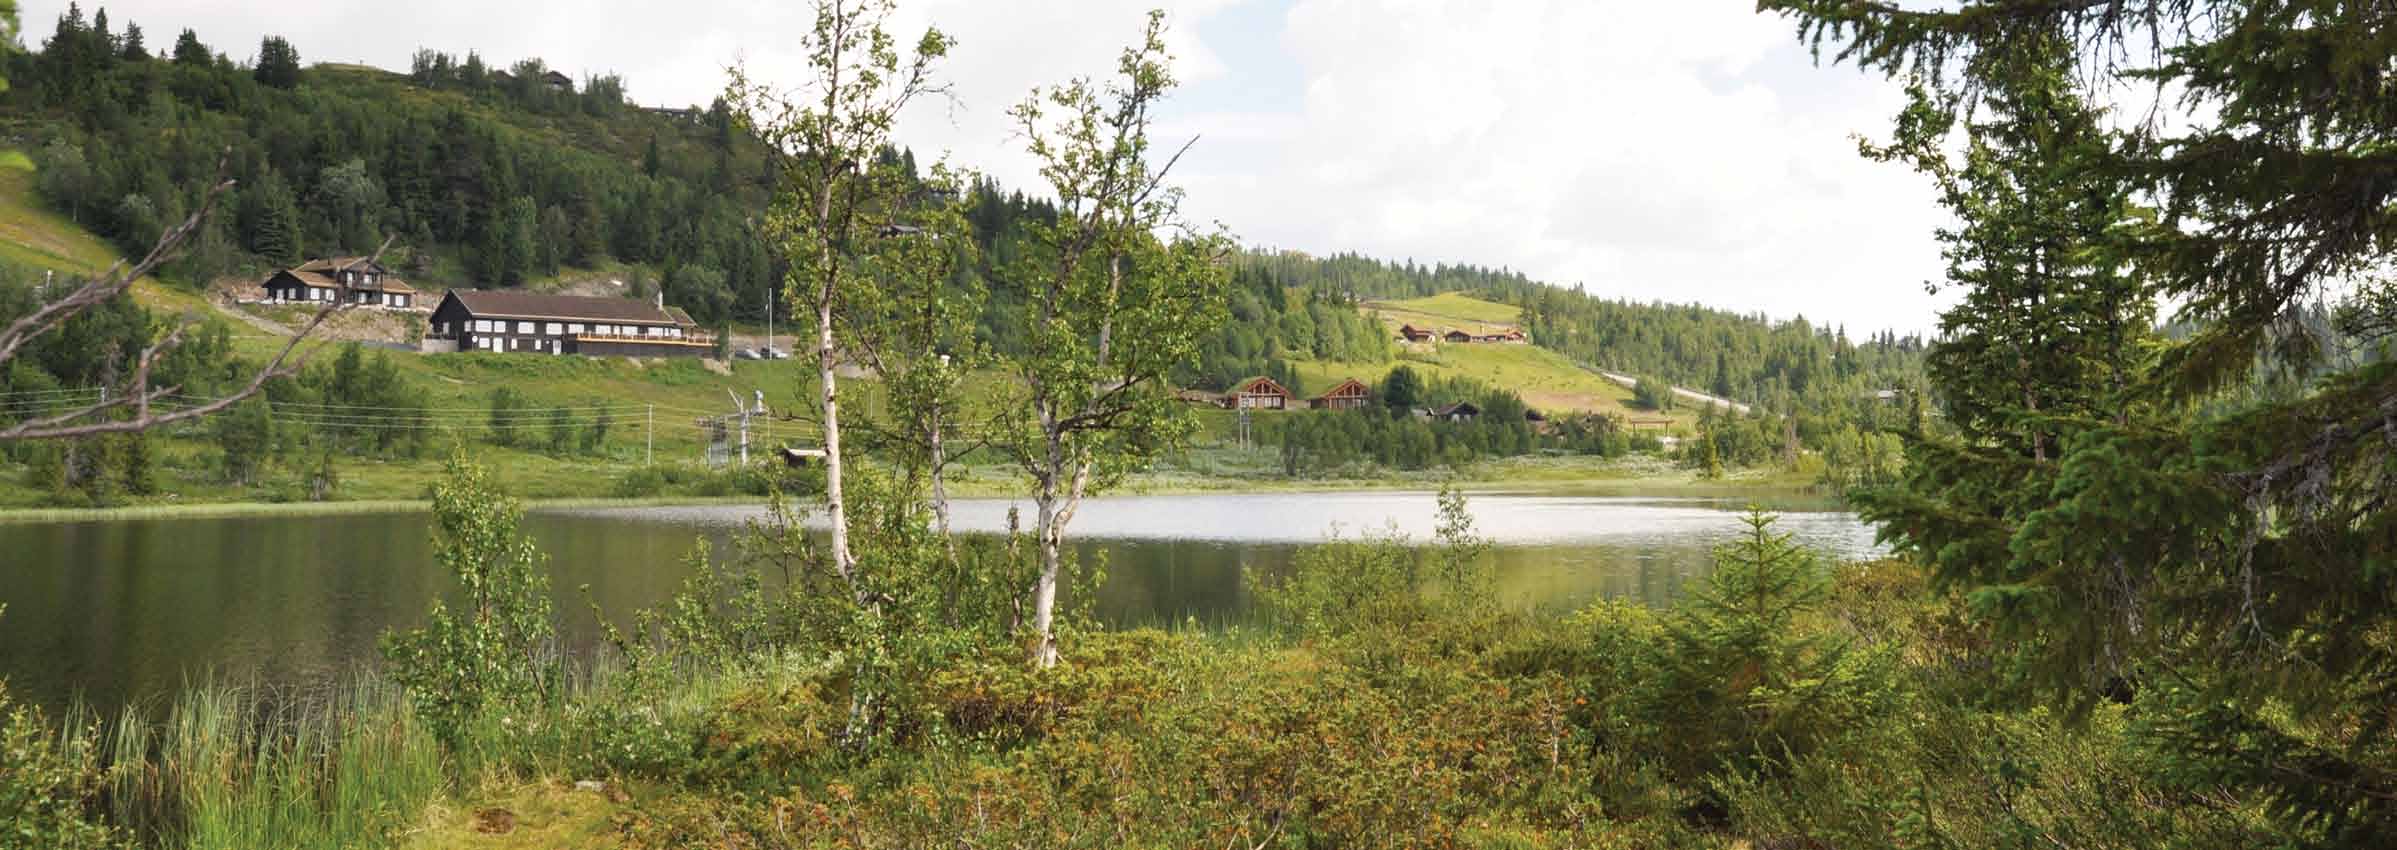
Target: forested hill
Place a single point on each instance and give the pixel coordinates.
(493, 177)
(485, 175)
(1746, 356)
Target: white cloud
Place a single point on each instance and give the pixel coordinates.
(1685, 151)
(1677, 151)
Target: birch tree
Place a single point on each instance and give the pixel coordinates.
(1118, 290)
(836, 191)
(916, 331)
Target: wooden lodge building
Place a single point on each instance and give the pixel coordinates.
(1457, 336)
(350, 280)
(487, 320)
(1258, 394)
(1351, 394)
(1410, 333)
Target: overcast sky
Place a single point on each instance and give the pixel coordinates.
(1686, 150)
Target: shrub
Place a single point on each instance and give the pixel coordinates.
(47, 784)
(490, 660)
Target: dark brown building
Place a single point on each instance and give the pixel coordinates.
(351, 280)
(1463, 411)
(486, 320)
(1458, 336)
(1411, 333)
(1351, 394)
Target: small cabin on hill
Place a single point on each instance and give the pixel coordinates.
(1410, 333)
(1258, 394)
(1463, 411)
(487, 320)
(350, 280)
(1508, 335)
(1457, 336)
(558, 82)
(1351, 394)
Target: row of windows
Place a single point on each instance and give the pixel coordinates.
(500, 326)
(321, 294)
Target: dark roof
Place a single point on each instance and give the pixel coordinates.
(488, 303)
(557, 79)
(1465, 407)
(680, 317)
(321, 273)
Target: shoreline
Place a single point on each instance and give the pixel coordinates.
(1622, 481)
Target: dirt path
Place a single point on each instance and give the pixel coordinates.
(1679, 392)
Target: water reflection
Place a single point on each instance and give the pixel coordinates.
(129, 609)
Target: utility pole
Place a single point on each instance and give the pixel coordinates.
(744, 411)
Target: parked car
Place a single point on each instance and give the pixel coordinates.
(774, 354)
(746, 354)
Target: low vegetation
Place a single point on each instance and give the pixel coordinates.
(1380, 696)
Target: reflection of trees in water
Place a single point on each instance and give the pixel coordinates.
(132, 609)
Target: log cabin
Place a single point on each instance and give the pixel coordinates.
(1258, 393)
(1351, 394)
(486, 320)
(1410, 333)
(1458, 336)
(351, 280)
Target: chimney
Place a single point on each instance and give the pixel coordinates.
(661, 299)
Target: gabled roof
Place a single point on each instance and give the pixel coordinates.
(1465, 407)
(1345, 387)
(557, 79)
(495, 304)
(340, 264)
(321, 273)
(1260, 385)
(680, 317)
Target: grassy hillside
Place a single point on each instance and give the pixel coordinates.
(1448, 310)
(1545, 379)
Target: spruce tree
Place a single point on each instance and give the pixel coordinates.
(2222, 559)
(278, 63)
(189, 51)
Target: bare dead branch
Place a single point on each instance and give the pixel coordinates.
(138, 395)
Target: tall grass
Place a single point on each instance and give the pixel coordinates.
(230, 767)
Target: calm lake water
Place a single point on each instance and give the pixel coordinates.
(129, 610)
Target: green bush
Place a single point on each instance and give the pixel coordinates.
(48, 784)
(484, 668)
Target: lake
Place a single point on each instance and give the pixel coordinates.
(124, 610)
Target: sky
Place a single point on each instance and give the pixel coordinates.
(1682, 151)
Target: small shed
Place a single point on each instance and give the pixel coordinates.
(1259, 393)
(1411, 333)
(1458, 336)
(558, 82)
(1463, 411)
(1351, 394)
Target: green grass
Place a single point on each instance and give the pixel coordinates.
(32, 235)
(1545, 379)
(1449, 308)
(234, 768)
